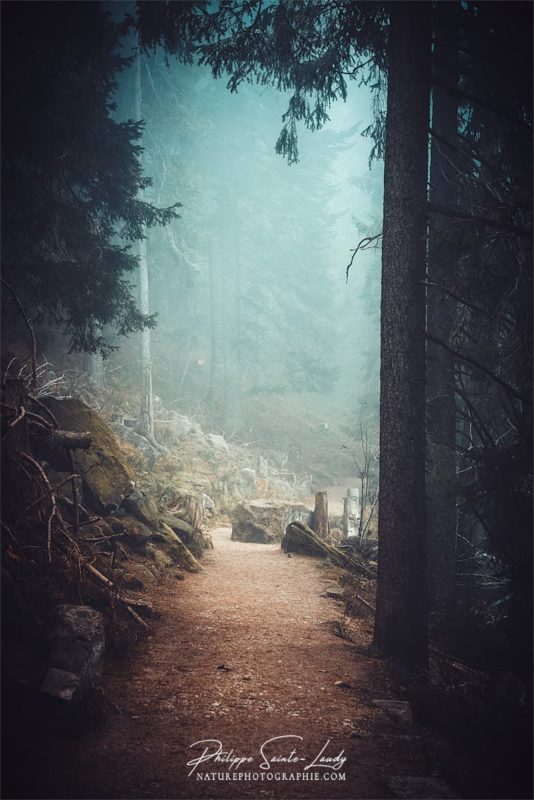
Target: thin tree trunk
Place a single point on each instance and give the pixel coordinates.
(146, 423)
(441, 314)
(213, 323)
(401, 618)
(232, 394)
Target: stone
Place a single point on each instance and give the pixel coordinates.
(217, 442)
(398, 711)
(182, 529)
(142, 508)
(61, 685)
(141, 573)
(334, 591)
(265, 521)
(134, 533)
(77, 643)
(126, 434)
(421, 788)
(130, 581)
(160, 558)
(107, 476)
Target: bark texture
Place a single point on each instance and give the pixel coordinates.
(401, 619)
(320, 522)
(441, 315)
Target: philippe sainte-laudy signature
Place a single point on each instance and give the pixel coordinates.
(274, 753)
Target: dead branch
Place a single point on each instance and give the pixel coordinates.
(30, 328)
(55, 513)
(478, 366)
(18, 418)
(365, 603)
(365, 244)
(11, 362)
(53, 489)
(110, 585)
(45, 409)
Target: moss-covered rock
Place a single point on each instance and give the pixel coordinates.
(106, 474)
(179, 526)
(181, 555)
(131, 531)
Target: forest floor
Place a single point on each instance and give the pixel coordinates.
(243, 652)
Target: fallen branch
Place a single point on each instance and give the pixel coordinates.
(55, 511)
(110, 585)
(18, 418)
(365, 603)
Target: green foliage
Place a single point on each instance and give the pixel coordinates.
(71, 174)
(307, 48)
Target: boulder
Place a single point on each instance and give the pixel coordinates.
(137, 575)
(133, 532)
(61, 685)
(132, 582)
(182, 529)
(106, 475)
(160, 558)
(265, 521)
(77, 643)
(142, 507)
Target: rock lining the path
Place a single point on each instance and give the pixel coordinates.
(265, 521)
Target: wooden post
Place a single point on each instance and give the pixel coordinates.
(321, 524)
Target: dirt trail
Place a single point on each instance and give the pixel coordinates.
(262, 616)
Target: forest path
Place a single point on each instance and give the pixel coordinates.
(260, 614)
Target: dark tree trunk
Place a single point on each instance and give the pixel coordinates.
(321, 524)
(401, 618)
(441, 315)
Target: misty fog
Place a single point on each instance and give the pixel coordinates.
(258, 330)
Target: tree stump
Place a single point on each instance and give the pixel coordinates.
(320, 521)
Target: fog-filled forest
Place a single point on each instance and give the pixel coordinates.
(266, 409)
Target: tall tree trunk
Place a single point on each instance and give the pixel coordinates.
(441, 314)
(232, 382)
(146, 424)
(401, 618)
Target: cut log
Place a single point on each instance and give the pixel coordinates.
(320, 521)
(299, 538)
